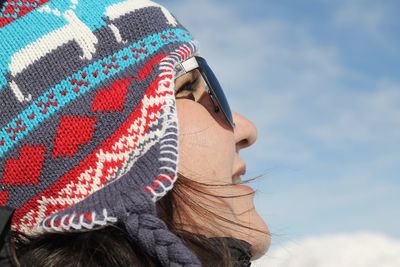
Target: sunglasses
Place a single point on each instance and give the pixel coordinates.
(213, 88)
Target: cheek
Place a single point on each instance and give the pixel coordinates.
(206, 149)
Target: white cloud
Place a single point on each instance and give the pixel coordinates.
(367, 16)
(344, 250)
(368, 19)
(269, 51)
(363, 117)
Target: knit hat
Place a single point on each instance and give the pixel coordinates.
(88, 124)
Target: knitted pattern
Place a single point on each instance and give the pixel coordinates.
(88, 124)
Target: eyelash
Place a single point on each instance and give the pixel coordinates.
(188, 86)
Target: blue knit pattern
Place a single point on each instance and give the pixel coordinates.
(88, 124)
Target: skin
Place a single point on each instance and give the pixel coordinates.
(209, 153)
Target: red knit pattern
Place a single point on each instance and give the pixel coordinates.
(19, 10)
(113, 98)
(148, 68)
(72, 132)
(3, 198)
(26, 169)
(87, 165)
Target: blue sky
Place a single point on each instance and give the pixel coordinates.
(320, 80)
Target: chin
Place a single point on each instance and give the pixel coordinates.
(260, 248)
(260, 242)
(255, 230)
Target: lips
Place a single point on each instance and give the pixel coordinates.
(236, 177)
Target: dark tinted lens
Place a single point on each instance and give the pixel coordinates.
(216, 89)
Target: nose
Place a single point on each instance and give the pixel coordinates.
(245, 132)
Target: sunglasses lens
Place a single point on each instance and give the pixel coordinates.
(216, 89)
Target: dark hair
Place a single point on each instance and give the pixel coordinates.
(111, 246)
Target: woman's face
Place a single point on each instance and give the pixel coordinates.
(209, 153)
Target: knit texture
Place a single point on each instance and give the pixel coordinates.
(88, 124)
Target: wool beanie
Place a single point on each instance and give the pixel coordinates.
(88, 123)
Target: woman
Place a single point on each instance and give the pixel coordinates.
(105, 107)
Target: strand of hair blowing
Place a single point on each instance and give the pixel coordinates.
(137, 213)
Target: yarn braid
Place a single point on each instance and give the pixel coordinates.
(137, 212)
(92, 139)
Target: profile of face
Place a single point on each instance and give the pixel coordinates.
(209, 153)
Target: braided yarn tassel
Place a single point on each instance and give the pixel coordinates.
(137, 212)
